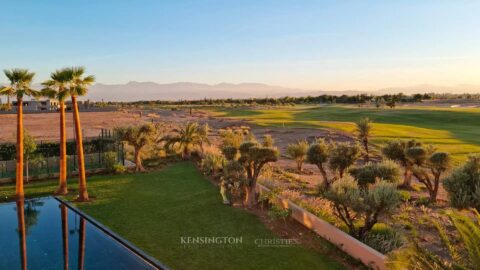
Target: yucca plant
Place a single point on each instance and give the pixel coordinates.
(364, 132)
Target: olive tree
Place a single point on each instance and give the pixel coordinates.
(395, 150)
(342, 156)
(253, 156)
(138, 137)
(360, 208)
(428, 168)
(463, 185)
(317, 154)
(298, 152)
(364, 132)
(372, 172)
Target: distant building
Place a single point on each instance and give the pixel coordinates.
(37, 105)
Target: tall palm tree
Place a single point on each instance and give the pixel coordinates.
(20, 81)
(78, 86)
(56, 88)
(364, 132)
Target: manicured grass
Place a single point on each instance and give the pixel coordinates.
(455, 130)
(154, 210)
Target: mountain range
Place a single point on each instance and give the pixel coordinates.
(134, 91)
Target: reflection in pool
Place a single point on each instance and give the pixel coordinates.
(49, 235)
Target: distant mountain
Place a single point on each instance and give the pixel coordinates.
(135, 91)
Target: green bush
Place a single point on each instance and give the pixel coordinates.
(229, 152)
(109, 161)
(298, 152)
(463, 185)
(278, 212)
(343, 155)
(383, 238)
(359, 209)
(119, 169)
(212, 163)
(371, 172)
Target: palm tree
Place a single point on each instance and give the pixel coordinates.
(56, 88)
(20, 81)
(7, 91)
(186, 138)
(78, 86)
(364, 130)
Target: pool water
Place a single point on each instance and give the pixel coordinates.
(49, 235)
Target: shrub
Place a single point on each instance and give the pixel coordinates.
(232, 139)
(463, 185)
(212, 163)
(110, 160)
(230, 152)
(359, 209)
(298, 152)
(278, 212)
(317, 154)
(396, 151)
(119, 169)
(342, 156)
(371, 172)
(383, 239)
(268, 141)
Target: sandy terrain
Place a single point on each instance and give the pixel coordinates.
(45, 126)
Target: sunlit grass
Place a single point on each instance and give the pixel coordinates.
(154, 210)
(455, 130)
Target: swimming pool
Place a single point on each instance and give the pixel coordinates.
(50, 234)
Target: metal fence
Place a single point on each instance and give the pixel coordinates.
(46, 162)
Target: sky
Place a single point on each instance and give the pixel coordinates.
(327, 45)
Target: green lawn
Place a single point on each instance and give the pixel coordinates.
(154, 210)
(455, 130)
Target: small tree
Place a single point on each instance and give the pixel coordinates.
(364, 132)
(298, 152)
(463, 185)
(342, 156)
(138, 137)
(268, 141)
(429, 169)
(395, 150)
(372, 172)
(359, 209)
(317, 154)
(29, 152)
(253, 157)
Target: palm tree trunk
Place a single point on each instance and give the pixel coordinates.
(64, 214)
(83, 194)
(22, 236)
(19, 187)
(367, 154)
(62, 187)
(9, 104)
(81, 245)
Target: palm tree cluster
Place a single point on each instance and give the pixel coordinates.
(67, 82)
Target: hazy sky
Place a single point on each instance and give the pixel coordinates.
(331, 45)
